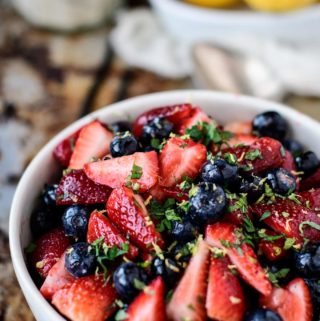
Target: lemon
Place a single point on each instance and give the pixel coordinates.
(278, 5)
(214, 3)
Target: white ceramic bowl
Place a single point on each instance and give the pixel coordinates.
(195, 23)
(223, 107)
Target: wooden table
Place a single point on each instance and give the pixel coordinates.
(47, 81)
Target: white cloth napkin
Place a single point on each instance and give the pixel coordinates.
(141, 41)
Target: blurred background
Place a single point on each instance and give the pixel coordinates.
(62, 59)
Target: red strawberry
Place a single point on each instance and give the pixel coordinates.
(49, 249)
(242, 139)
(100, 226)
(273, 250)
(116, 172)
(236, 217)
(63, 151)
(162, 193)
(292, 303)
(228, 237)
(197, 115)
(93, 142)
(311, 199)
(89, 298)
(128, 212)
(312, 181)
(57, 279)
(225, 298)
(289, 163)
(188, 300)
(290, 218)
(76, 188)
(239, 127)
(174, 114)
(180, 158)
(149, 305)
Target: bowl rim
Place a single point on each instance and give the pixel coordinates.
(26, 283)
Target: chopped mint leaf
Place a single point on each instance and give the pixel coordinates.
(253, 154)
(265, 215)
(293, 197)
(308, 223)
(30, 248)
(155, 143)
(282, 151)
(230, 158)
(240, 204)
(138, 284)
(136, 172)
(281, 274)
(289, 243)
(121, 315)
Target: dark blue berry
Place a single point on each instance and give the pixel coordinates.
(75, 221)
(80, 259)
(43, 219)
(281, 181)
(48, 195)
(128, 279)
(270, 124)
(167, 268)
(121, 126)
(157, 128)
(183, 231)
(263, 315)
(293, 146)
(208, 204)
(123, 144)
(307, 163)
(307, 261)
(219, 172)
(251, 185)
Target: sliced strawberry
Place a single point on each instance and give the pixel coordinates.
(242, 139)
(197, 115)
(63, 151)
(291, 219)
(180, 158)
(293, 303)
(49, 249)
(116, 172)
(149, 305)
(58, 278)
(128, 212)
(273, 250)
(188, 300)
(93, 142)
(174, 114)
(100, 226)
(89, 298)
(311, 199)
(225, 297)
(161, 193)
(76, 188)
(312, 181)
(239, 127)
(228, 237)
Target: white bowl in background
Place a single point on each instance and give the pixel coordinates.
(194, 23)
(223, 107)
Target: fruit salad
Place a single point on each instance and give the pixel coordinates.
(176, 217)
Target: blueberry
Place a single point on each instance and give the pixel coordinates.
(167, 268)
(208, 204)
(157, 128)
(293, 146)
(121, 126)
(281, 181)
(307, 163)
(307, 261)
(263, 315)
(128, 278)
(48, 195)
(75, 221)
(183, 231)
(123, 144)
(43, 219)
(80, 259)
(270, 124)
(219, 172)
(251, 185)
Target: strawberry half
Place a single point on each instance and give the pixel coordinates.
(76, 188)
(188, 300)
(312, 181)
(89, 298)
(242, 139)
(273, 250)
(311, 199)
(293, 303)
(225, 298)
(161, 193)
(63, 151)
(128, 212)
(58, 278)
(228, 237)
(175, 114)
(149, 305)
(116, 172)
(93, 142)
(49, 249)
(100, 226)
(180, 158)
(292, 219)
(239, 127)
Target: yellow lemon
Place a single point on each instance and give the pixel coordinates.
(214, 3)
(278, 5)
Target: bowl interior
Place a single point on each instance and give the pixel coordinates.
(223, 107)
